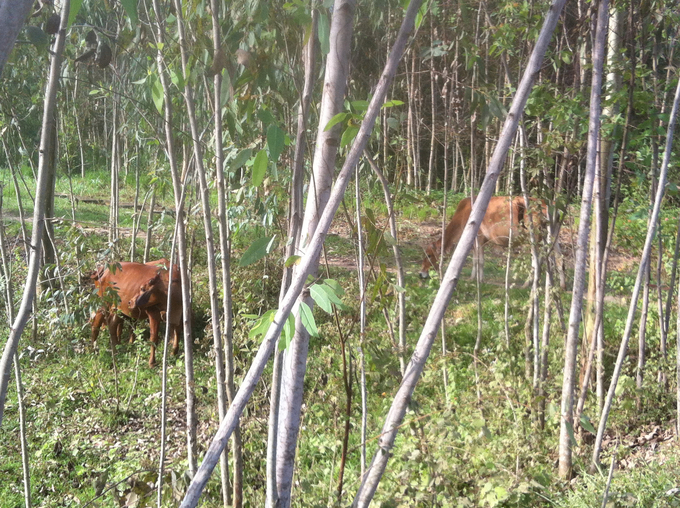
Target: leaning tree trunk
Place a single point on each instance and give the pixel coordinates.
(644, 262)
(13, 14)
(571, 347)
(294, 232)
(450, 280)
(295, 357)
(308, 262)
(42, 183)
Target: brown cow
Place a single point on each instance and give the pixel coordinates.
(126, 280)
(495, 228)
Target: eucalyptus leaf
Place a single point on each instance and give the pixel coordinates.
(321, 298)
(259, 249)
(275, 141)
(259, 168)
(307, 318)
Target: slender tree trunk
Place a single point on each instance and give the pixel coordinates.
(567, 422)
(224, 357)
(293, 244)
(9, 294)
(401, 297)
(149, 225)
(308, 262)
(429, 332)
(42, 191)
(295, 357)
(181, 245)
(210, 247)
(644, 260)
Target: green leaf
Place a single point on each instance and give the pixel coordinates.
(330, 293)
(293, 260)
(360, 106)
(275, 141)
(335, 286)
(307, 318)
(262, 325)
(340, 117)
(157, 95)
(324, 34)
(287, 333)
(130, 7)
(392, 103)
(259, 249)
(585, 423)
(259, 168)
(74, 10)
(241, 158)
(349, 135)
(321, 298)
(37, 37)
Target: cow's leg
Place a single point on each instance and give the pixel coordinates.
(154, 325)
(114, 323)
(97, 322)
(175, 342)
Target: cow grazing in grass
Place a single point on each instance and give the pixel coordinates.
(501, 213)
(125, 289)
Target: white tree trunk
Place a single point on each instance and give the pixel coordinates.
(415, 367)
(644, 262)
(42, 190)
(568, 381)
(323, 170)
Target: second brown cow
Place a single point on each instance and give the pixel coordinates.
(139, 291)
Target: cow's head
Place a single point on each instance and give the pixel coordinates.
(147, 294)
(431, 259)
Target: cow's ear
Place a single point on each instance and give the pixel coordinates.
(142, 298)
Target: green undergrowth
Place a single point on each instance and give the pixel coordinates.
(474, 435)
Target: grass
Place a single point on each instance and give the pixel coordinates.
(473, 442)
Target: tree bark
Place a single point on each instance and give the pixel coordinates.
(178, 188)
(450, 280)
(294, 233)
(644, 261)
(42, 191)
(568, 381)
(323, 170)
(308, 262)
(13, 14)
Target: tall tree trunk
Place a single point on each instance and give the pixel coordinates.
(210, 245)
(644, 261)
(224, 363)
(323, 170)
(450, 280)
(179, 192)
(308, 262)
(42, 192)
(294, 233)
(568, 382)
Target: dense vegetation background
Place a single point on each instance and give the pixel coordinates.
(481, 430)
